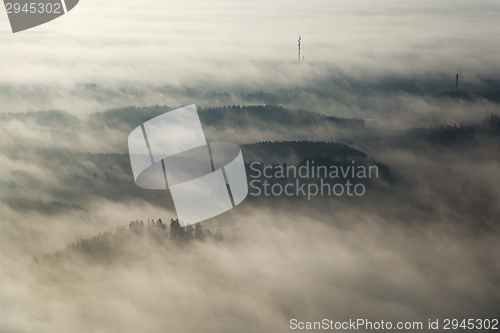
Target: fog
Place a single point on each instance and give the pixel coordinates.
(421, 244)
(155, 52)
(423, 247)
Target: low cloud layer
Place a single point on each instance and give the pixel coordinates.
(421, 245)
(420, 248)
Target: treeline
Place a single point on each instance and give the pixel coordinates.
(107, 247)
(269, 115)
(301, 149)
(449, 135)
(234, 116)
(174, 232)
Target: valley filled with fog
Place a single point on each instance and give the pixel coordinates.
(81, 245)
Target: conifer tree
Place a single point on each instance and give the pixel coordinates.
(176, 231)
(199, 234)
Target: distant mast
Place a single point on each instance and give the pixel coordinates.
(456, 86)
(299, 48)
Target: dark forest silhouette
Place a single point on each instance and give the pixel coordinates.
(235, 116)
(452, 135)
(106, 246)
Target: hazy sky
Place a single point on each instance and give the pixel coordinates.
(418, 250)
(240, 46)
(165, 42)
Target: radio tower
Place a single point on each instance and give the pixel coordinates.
(299, 48)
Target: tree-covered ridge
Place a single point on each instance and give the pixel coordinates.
(226, 116)
(108, 247)
(272, 115)
(284, 151)
(109, 176)
(451, 135)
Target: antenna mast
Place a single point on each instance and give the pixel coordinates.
(299, 48)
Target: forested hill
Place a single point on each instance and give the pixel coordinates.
(265, 116)
(88, 176)
(288, 151)
(448, 136)
(128, 242)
